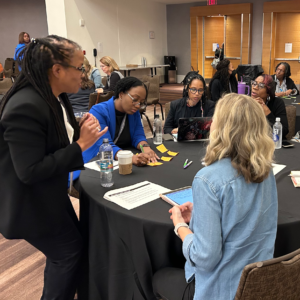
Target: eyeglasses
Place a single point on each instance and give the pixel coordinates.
(81, 69)
(260, 85)
(194, 91)
(137, 103)
(102, 66)
(280, 71)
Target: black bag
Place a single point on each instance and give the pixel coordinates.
(249, 72)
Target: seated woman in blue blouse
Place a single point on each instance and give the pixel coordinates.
(121, 115)
(233, 218)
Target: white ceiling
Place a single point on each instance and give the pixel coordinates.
(177, 1)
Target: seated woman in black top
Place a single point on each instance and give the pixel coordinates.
(284, 84)
(111, 69)
(80, 100)
(193, 103)
(223, 81)
(263, 91)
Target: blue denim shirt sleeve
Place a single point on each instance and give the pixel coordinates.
(203, 248)
(96, 77)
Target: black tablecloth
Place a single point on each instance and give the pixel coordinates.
(289, 102)
(125, 247)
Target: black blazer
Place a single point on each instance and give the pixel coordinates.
(290, 84)
(33, 169)
(177, 111)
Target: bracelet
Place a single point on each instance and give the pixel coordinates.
(180, 225)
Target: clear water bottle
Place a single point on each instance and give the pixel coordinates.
(106, 164)
(277, 134)
(157, 131)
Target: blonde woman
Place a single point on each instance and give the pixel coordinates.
(111, 69)
(93, 73)
(233, 218)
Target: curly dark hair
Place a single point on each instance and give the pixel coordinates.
(287, 72)
(270, 85)
(125, 84)
(188, 79)
(222, 75)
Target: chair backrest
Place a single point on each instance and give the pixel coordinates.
(167, 109)
(275, 279)
(153, 91)
(101, 98)
(291, 116)
(104, 80)
(5, 85)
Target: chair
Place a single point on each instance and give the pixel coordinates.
(291, 116)
(167, 109)
(96, 98)
(275, 279)
(5, 85)
(153, 92)
(143, 110)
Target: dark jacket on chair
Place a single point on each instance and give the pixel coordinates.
(33, 168)
(290, 84)
(178, 110)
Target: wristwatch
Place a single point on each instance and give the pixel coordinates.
(145, 145)
(180, 225)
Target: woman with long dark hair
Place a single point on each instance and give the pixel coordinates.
(193, 103)
(224, 81)
(40, 143)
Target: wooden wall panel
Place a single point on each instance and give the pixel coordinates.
(233, 36)
(246, 39)
(213, 33)
(282, 6)
(194, 43)
(200, 45)
(266, 47)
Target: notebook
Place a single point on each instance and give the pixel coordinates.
(193, 129)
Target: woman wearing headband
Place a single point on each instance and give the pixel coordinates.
(193, 103)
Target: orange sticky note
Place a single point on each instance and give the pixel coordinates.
(172, 153)
(164, 158)
(161, 148)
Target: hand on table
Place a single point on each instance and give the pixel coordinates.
(185, 213)
(99, 91)
(263, 105)
(175, 130)
(151, 153)
(141, 160)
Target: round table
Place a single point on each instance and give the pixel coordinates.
(126, 247)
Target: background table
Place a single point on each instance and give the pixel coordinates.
(125, 247)
(151, 67)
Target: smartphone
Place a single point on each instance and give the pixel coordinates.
(287, 144)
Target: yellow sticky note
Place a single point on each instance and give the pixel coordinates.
(154, 164)
(173, 153)
(164, 158)
(161, 148)
(158, 164)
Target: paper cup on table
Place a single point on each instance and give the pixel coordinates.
(125, 162)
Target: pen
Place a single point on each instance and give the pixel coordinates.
(142, 148)
(185, 163)
(188, 164)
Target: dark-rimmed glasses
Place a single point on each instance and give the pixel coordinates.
(194, 91)
(81, 69)
(260, 84)
(137, 103)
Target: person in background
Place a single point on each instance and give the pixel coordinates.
(233, 217)
(24, 39)
(93, 74)
(121, 115)
(40, 143)
(111, 69)
(223, 81)
(194, 102)
(217, 52)
(80, 100)
(284, 84)
(263, 91)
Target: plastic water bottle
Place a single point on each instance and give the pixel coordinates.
(106, 164)
(157, 131)
(277, 134)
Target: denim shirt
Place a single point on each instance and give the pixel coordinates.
(96, 77)
(234, 223)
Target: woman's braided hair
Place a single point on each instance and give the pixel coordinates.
(36, 59)
(125, 84)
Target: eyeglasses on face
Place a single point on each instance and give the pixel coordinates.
(136, 102)
(194, 91)
(279, 71)
(260, 84)
(81, 69)
(102, 66)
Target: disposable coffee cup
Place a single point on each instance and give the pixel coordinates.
(125, 162)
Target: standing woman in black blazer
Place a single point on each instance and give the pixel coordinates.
(40, 143)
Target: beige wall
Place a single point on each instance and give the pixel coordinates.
(121, 26)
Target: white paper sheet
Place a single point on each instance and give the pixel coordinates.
(288, 47)
(93, 165)
(135, 195)
(215, 46)
(277, 168)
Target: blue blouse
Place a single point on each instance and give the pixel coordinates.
(234, 223)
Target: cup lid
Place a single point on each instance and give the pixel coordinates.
(124, 154)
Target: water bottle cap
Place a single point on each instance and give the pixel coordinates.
(277, 119)
(106, 140)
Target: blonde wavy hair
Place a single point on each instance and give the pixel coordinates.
(241, 132)
(109, 62)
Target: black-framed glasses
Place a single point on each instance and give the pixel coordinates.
(260, 84)
(137, 103)
(81, 69)
(194, 91)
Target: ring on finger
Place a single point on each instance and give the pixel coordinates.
(98, 128)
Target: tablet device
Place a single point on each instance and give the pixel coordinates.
(178, 196)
